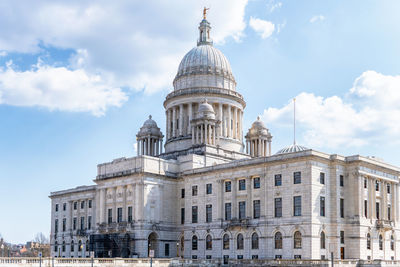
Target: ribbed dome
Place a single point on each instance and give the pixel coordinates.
(206, 111)
(149, 128)
(291, 149)
(204, 59)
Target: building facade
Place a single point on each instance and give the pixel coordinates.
(204, 194)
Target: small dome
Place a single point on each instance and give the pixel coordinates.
(149, 128)
(258, 128)
(291, 149)
(206, 111)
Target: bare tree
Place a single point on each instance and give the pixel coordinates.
(43, 243)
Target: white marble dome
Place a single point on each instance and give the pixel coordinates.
(204, 66)
(206, 111)
(291, 149)
(149, 128)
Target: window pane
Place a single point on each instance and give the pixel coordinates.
(228, 208)
(278, 207)
(278, 179)
(297, 206)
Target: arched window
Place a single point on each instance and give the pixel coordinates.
(380, 242)
(194, 242)
(297, 239)
(80, 245)
(278, 240)
(254, 241)
(225, 241)
(392, 242)
(208, 242)
(72, 246)
(63, 246)
(368, 241)
(240, 241)
(322, 240)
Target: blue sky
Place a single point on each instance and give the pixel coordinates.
(78, 79)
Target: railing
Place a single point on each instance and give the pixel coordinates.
(202, 90)
(175, 262)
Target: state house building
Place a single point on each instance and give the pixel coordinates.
(205, 190)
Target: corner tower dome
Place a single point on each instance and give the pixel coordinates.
(204, 65)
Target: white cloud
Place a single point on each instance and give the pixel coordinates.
(135, 44)
(272, 5)
(317, 18)
(262, 27)
(370, 112)
(3, 53)
(58, 88)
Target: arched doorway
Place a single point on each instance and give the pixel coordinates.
(152, 244)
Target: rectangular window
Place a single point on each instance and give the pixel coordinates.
(82, 204)
(194, 190)
(322, 206)
(166, 250)
(74, 223)
(194, 214)
(208, 213)
(130, 219)
(182, 215)
(256, 209)
(341, 237)
(75, 205)
(278, 179)
(242, 184)
(322, 178)
(388, 188)
(64, 225)
(256, 183)
(109, 215)
(56, 207)
(388, 213)
(119, 215)
(297, 206)
(55, 225)
(82, 223)
(228, 186)
(183, 193)
(297, 257)
(90, 204)
(242, 210)
(376, 186)
(278, 257)
(341, 208)
(209, 189)
(226, 259)
(365, 183)
(297, 177)
(228, 211)
(377, 210)
(278, 207)
(366, 208)
(341, 180)
(64, 206)
(89, 222)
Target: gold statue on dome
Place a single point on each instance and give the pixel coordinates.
(205, 12)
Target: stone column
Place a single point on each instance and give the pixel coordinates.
(385, 202)
(193, 134)
(190, 128)
(214, 135)
(240, 124)
(234, 211)
(220, 196)
(201, 133)
(229, 122)
(373, 206)
(181, 119)
(173, 121)
(148, 147)
(235, 120)
(138, 148)
(124, 209)
(220, 117)
(396, 203)
(249, 205)
(259, 147)
(166, 123)
(208, 133)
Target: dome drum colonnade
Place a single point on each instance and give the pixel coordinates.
(149, 139)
